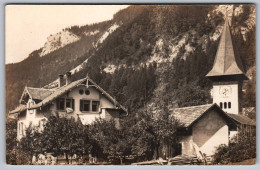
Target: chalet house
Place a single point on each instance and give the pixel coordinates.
(83, 100)
(208, 126)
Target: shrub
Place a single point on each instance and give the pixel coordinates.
(243, 148)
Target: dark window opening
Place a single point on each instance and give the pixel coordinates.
(84, 105)
(87, 92)
(81, 91)
(70, 103)
(178, 150)
(60, 104)
(225, 105)
(221, 105)
(229, 105)
(95, 105)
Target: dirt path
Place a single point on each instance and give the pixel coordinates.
(245, 162)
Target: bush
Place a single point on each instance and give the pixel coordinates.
(244, 148)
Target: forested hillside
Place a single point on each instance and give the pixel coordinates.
(143, 54)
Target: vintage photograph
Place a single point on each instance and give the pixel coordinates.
(130, 84)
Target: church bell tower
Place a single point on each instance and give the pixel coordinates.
(227, 74)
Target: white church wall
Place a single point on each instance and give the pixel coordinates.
(225, 93)
(209, 132)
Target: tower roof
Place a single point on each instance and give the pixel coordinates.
(227, 61)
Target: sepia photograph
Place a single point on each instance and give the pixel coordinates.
(139, 85)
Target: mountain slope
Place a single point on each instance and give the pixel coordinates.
(143, 54)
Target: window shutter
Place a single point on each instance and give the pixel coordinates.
(81, 105)
(58, 104)
(73, 104)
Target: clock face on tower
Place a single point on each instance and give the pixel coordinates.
(225, 91)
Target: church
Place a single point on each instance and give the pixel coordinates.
(208, 126)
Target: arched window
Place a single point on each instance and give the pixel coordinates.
(221, 105)
(229, 105)
(225, 105)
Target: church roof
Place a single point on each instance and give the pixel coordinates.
(227, 61)
(188, 115)
(242, 119)
(39, 93)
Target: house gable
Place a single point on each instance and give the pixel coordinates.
(87, 82)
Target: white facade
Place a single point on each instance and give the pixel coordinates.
(97, 107)
(226, 96)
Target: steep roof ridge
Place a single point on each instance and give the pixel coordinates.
(227, 61)
(60, 91)
(225, 36)
(57, 93)
(194, 106)
(40, 88)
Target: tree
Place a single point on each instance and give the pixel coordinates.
(29, 145)
(243, 148)
(64, 136)
(154, 131)
(60, 136)
(110, 141)
(11, 142)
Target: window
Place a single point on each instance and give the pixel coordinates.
(95, 105)
(84, 105)
(70, 103)
(60, 104)
(81, 91)
(87, 92)
(225, 105)
(229, 105)
(20, 128)
(221, 105)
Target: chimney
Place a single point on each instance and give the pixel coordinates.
(68, 78)
(60, 80)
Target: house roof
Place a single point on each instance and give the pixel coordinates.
(241, 119)
(39, 93)
(227, 60)
(48, 95)
(188, 115)
(62, 90)
(20, 108)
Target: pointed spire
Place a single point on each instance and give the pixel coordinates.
(227, 61)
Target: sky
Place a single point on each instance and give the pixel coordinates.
(28, 26)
